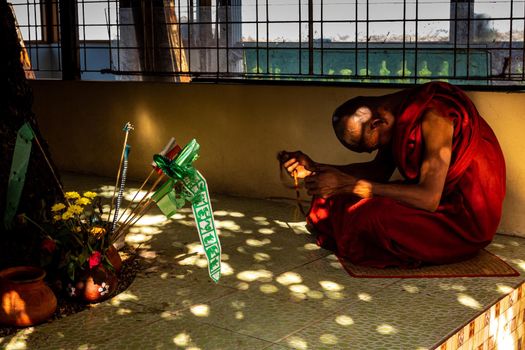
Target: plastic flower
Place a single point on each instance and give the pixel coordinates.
(72, 195)
(57, 217)
(83, 201)
(48, 245)
(89, 194)
(58, 207)
(67, 215)
(104, 288)
(97, 231)
(72, 291)
(75, 209)
(95, 259)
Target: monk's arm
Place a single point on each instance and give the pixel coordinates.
(380, 169)
(437, 135)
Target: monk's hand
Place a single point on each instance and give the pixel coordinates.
(328, 181)
(297, 161)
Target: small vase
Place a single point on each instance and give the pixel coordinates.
(95, 285)
(25, 299)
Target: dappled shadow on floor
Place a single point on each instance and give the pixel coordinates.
(278, 289)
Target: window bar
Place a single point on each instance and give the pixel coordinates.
(310, 37)
(179, 24)
(228, 6)
(455, 38)
(30, 43)
(468, 38)
(153, 47)
(36, 35)
(523, 49)
(356, 36)
(189, 24)
(109, 35)
(300, 40)
(404, 38)
(217, 42)
(367, 34)
(84, 34)
(257, 35)
(322, 40)
(59, 37)
(267, 39)
(415, 67)
(510, 37)
(117, 15)
(69, 40)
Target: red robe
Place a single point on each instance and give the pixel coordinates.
(383, 232)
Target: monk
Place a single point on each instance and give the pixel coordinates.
(448, 205)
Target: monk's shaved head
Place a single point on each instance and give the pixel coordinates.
(350, 121)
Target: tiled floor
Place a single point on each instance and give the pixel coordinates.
(278, 291)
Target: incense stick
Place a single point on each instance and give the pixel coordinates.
(121, 189)
(152, 188)
(136, 194)
(133, 214)
(127, 128)
(122, 229)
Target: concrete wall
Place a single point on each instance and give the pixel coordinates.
(240, 128)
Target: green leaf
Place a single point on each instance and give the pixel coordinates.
(109, 264)
(71, 270)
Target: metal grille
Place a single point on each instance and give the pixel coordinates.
(470, 42)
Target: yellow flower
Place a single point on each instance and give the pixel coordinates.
(82, 201)
(72, 195)
(67, 215)
(77, 229)
(98, 231)
(90, 194)
(57, 217)
(75, 209)
(58, 207)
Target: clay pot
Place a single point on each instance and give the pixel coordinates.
(94, 285)
(114, 258)
(25, 299)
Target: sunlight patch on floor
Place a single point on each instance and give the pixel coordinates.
(344, 320)
(288, 278)
(252, 242)
(503, 288)
(411, 288)
(182, 339)
(200, 310)
(328, 339)
(259, 256)
(331, 286)
(19, 341)
(469, 301)
(297, 343)
(386, 329)
(255, 275)
(268, 288)
(123, 297)
(364, 297)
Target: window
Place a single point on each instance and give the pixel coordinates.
(474, 42)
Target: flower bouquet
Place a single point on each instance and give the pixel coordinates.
(78, 245)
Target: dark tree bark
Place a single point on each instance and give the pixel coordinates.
(41, 189)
